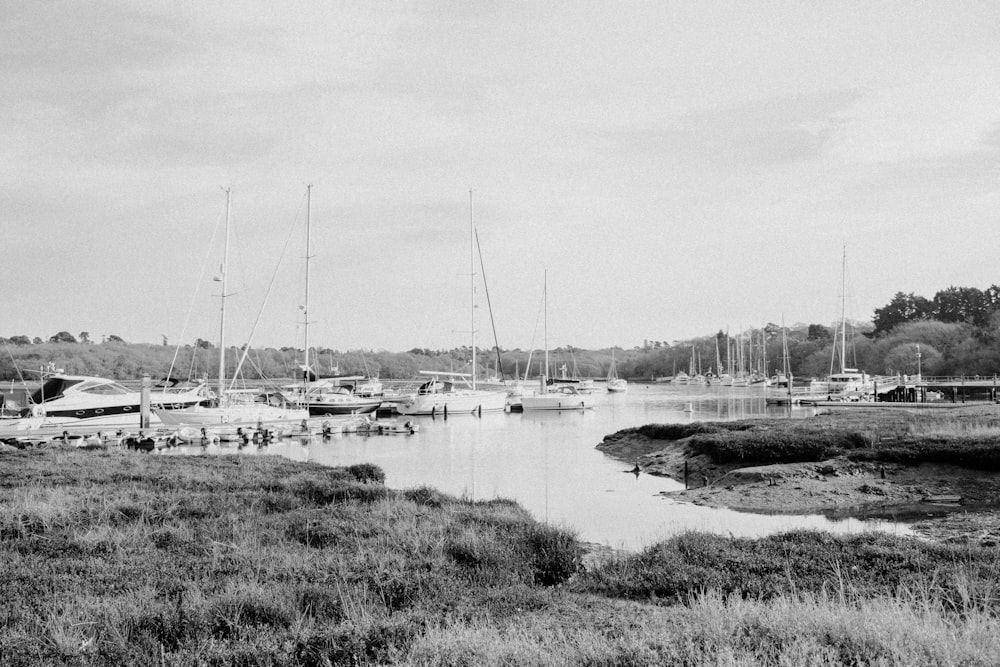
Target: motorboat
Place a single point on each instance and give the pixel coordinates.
(84, 400)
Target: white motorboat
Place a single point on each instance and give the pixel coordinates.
(83, 400)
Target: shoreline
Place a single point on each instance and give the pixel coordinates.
(942, 502)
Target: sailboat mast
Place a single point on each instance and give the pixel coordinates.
(545, 321)
(472, 283)
(843, 312)
(222, 307)
(305, 306)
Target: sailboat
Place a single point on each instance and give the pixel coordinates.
(326, 396)
(443, 392)
(554, 396)
(615, 383)
(233, 407)
(780, 391)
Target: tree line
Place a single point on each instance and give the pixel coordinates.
(957, 332)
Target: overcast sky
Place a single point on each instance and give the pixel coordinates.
(676, 167)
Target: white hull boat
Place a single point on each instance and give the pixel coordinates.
(562, 398)
(81, 400)
(442, 398)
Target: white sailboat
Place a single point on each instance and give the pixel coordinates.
(325, 396)
(615, 383)
(234, 407)
(559, 396)
(441, 393)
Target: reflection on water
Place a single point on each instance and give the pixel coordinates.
(548, 463)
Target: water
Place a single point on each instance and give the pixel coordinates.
(548, 463)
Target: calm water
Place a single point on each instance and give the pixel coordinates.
(548, 463)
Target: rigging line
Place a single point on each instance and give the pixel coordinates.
(267, 294)
(489, 305)
(17, 368)
(187, 318)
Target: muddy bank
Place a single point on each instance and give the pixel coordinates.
(936, 497)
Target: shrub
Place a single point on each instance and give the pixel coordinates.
(556, 555)
(367, 472)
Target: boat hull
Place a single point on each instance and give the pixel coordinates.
(457, 402)
(360, 407)
(556, 402)
(242, 414)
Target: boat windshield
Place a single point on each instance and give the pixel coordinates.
(52, 389)
(102, 387)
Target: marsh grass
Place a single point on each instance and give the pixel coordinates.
(884, 437)
(124, 558)
(111, 558)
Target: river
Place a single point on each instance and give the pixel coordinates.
(548, 463)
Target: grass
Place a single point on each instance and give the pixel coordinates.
(889, 436)
(110, 558)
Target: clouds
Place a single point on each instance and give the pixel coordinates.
(648, 154)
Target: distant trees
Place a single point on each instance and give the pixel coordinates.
(819, 332)
(63, 337)
(954, 304)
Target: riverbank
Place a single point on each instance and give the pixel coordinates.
(117, 557)
(906, 464)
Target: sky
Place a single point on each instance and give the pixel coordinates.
(662, 170)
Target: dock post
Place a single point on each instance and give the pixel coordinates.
(445, 410)
(144, 403)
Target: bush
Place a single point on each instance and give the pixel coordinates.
(367, 472)
(556, 555)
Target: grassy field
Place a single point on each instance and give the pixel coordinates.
(111, 558)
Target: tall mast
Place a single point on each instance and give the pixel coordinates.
(472, 284)
(305, 307)
(222, 307)
(545, 319)
(843, 311)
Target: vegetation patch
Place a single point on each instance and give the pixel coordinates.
(111, 558)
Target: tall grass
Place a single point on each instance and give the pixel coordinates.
(126, 558)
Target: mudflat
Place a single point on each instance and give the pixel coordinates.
(937, 470)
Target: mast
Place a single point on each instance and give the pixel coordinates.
(222, 308)
(843, 311)
(305, 307)
(545, 322)
(472, 284)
